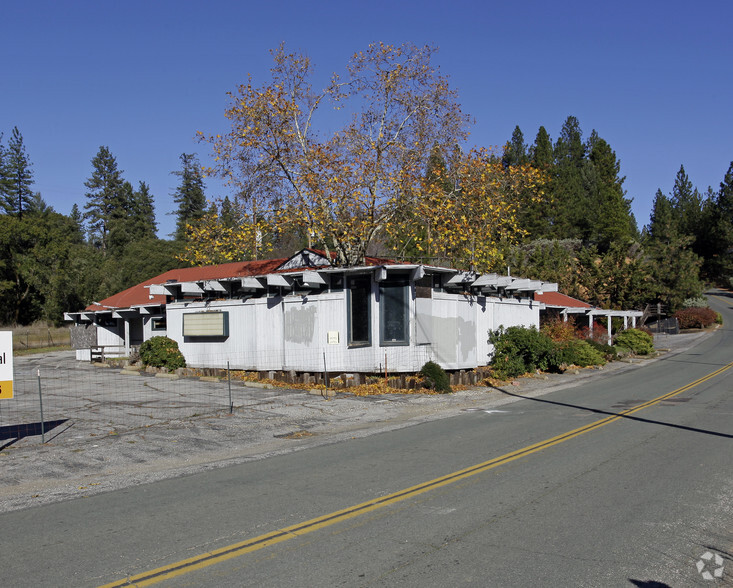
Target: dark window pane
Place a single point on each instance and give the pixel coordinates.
(394, 306)
(359, 300)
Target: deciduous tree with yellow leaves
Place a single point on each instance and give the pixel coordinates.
(225, 234)
(466, 212)
(390, 106)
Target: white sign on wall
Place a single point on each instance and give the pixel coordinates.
(6, 365)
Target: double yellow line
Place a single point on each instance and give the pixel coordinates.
(238, 549)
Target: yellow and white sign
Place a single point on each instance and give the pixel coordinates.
(6, 365)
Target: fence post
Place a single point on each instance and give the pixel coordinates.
(325, 371)
(40, 400)
(229, 381)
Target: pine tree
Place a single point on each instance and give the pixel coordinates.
(719, 215)
(569, 147)
(515, 152)
(78, 221)
(108, 198)
(662, 225)
(687, 203)
(675, 268)
(613, 223)
(541, 153)
(571, 176)
(228, 215)
(121, 227)
(143, 213)
(189, 195)
(17, 176)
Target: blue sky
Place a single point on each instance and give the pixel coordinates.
(652, 78)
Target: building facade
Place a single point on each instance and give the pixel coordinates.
(301, 314)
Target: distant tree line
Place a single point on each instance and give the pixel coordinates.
(571, 223)
(585, 238)
(51, 263)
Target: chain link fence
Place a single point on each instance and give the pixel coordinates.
(55, 395)
(38, 336)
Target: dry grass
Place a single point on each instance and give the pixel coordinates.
(39, 336)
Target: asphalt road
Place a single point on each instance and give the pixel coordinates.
(623, 481)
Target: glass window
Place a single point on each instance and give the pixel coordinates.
(158, 323)
(394, 306)
(359, 314)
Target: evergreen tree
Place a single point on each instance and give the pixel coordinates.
(718, 214)
(515, 152)
(3, 171)
(38, 205)
(548, 260)
(134, 220)
(189, 195)
(108, 198)
(619, 278)
(613, 223)
(17, 176)
(121, 224)
(571, 177)
(228, 215)
(143, 212)
(541, 153)
(687, 202)
(569, 147)
(675, 268)
(34, 250)
(662, 225)
(78, 220)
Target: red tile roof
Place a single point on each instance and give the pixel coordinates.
(561, 300)
(139, 294)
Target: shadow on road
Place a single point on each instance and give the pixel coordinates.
(17, 432)
(616, 414)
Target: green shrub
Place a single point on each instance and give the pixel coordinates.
(718, 318)
(162, 352)
(436, 378)
(577, 352)
(607, 351)
(695, 318)
(697, 302)
(636, 341)
(519, 350)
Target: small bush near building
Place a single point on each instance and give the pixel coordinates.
(436, 377)
(636, 341)
(695, 318)
(162, 352)
(598, 334)
(577, 352)
(519, 350)
(607, 351)
(559, 330)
